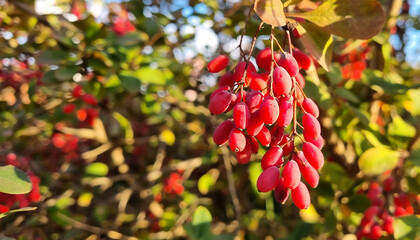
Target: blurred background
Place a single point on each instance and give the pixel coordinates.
(104, 105)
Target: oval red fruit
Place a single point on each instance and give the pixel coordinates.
(311, 125)
(291, 174)
(303, 60)
(259, 81)
(286, 113)
(244, 156)
(263, 58)
(310, 107)
(276, 134)
(268, 179)
(300, 80)
(254, 143)
(238, 73)
(288, 62)
(309, 173)
(220, 102)
(282, 83)
(226, 79)
(241, 115)
(301, 197)
(255, 124)
(313, 155)
(273, 157)
(254, 99)
(264, 136)
(221, 133)
(90, 99)
(237, 140)
(69, 108)
(218, 64)
(269, 110)
(281, 193)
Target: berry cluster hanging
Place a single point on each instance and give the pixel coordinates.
(264, 106)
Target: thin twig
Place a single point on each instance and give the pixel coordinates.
(231, 183)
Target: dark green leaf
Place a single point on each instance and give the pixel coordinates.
(346, 94)
(52, 57)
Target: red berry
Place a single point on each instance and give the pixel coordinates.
(288, 62)
(387, 225)
(276, 134)
(240, 69)
(389, 184)
(375, 233)
(287, 143)
(241, 115)
(254, 143)
(313, 155)
(221, 88)
(226, 79)
(254, 99)
(268, 179)
(244, 156)
(311, 125)
(269, 110)
(318, 142)
(310, 107)
(302, 59)
(259, 81)
(282, 83)
(273, 157)
(301, 197)
(300, 80)
(291, 174)
(77, 91)
(255, 124)
(220, 102)
(90, 99)
(221, 133)
(309, 173)
(237, 140)
(218, 64)
(69, 108)
(286, 113)
(264, 58)
(264, 136)
(281, 193)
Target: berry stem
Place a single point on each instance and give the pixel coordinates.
(272, 62)
(290, 42)
(243, 31)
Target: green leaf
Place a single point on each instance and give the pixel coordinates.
(125, 125)
(347, 18)
(66, 73)
(378, 160)
(132, 38)
(317, 42)
(346, 94)
(270, 12)
(406, 227)
(399, 127)
(97, 169)
(376, 80)
(199, 228)
(14, 180)
(129, 81)
(151, 75)
(52, 57)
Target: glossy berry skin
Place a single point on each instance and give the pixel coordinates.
(300, 80)
(253, 99)
(286, 113)
(281, 193)
(273, 157)
(301, 197)
(237, 140)
(309, 173)
(254, 143)
(255, 124)
(220, 102)
(291, 174)
(375, 233)
(221, 133)
(241, 115)
(269, 110)
(240, 70)
(303, 60)
(313, 155)
(311, 125)
(226, 80)
(218, 64)
(90, 99)
(244, 156)
(264, 136)
(318, 142)
(282, 83)
(259, 81)
(268, 179)
(221, 88)
(263, 58)
(310, 107)
(277, 133)
(288, 62)
(387, 225)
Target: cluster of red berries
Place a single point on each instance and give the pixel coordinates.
(8, 201)
(377, 219)
(354, 62)
(85, 115)
(173, 184)
(262, 114)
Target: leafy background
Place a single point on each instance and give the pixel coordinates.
(105, 168)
